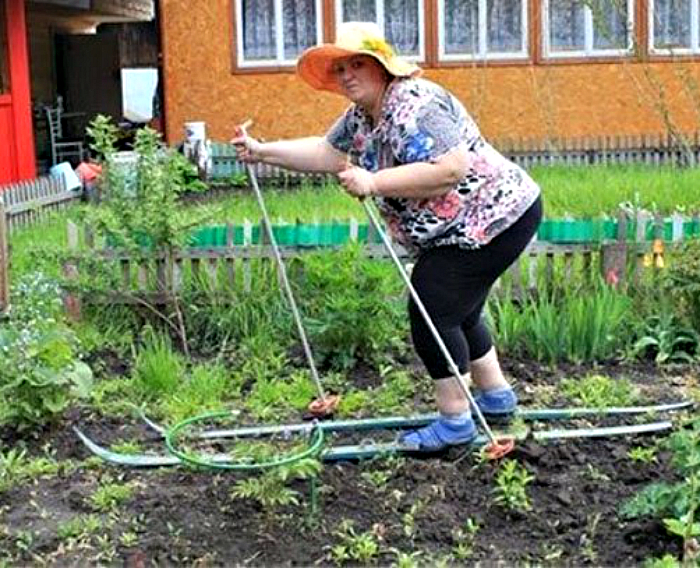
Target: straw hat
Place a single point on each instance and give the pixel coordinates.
(315, 66)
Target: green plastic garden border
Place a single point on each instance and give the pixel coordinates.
(315, 446)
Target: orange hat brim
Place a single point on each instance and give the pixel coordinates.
(315, 66)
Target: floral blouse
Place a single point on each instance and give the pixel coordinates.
(420, 122)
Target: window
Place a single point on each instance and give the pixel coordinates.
(578, 28)
(470, 29)
(401, 21)
(275, 32)
(673, 26)
(4, 52)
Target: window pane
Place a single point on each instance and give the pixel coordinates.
(610, 24)
(401, 25)
(566, 25)
(4, 52)
(359, 11)
(259, 32)
(299, 24)
(504, 20)
(461, 27)
(671, 23)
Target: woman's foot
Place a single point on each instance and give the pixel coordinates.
(443, 432)
(496, 402)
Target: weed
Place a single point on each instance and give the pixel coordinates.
(463, 539)
(128, 539)
(270, 489)
(109, 496)
(81, 527)
(16, 467)
(598, 391)
(512, 480)
(377, 478)
(666, 561)
(408, 519)
(406, 559)
(595, 474)
(642, 455)
(158, 370)
(204, 390)
(362, 548)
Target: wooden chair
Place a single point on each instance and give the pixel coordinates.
(61, 149)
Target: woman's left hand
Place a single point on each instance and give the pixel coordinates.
(357, 181)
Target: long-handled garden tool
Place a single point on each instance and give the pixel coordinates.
(496, 448)
(326, 403)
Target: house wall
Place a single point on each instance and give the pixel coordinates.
(508, 100)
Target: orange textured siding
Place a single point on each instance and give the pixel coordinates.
(528, 101)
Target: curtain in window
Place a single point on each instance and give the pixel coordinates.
(567, 25)
(610, 24)
(461, 27)
(401, 25)
(359, 11)
(671, 23)
(504, 21)
(259, 33)
(299, 25)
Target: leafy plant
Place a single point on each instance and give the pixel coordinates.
(270, 488)
(16, 467)
(599, 391)
(512, 480)
(463, 540)
(665, 339)
(682, 280)
(675, 504)
(40, 373)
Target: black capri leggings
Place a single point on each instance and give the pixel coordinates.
(453, 284)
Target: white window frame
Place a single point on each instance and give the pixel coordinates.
(379, 10)
(589, 49)
(483, 37)
(694, 32)
(279, 60)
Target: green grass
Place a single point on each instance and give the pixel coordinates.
(589, 191)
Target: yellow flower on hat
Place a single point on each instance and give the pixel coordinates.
(378, 46)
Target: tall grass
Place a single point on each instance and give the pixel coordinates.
(569, 326)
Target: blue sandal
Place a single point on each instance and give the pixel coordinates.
(440, 434)
(496, 402)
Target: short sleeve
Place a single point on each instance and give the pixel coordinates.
(340, 135)
(437, 125)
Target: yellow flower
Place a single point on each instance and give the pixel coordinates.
(378, 46)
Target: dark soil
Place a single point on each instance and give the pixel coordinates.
(187, 516)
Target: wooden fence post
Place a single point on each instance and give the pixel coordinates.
(4, 262)
(71, 302)
(613, 263)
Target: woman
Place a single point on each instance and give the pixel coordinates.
(445, 194)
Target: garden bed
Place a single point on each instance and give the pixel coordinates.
(405, 511)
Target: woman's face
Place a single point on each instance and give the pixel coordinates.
(362, 78)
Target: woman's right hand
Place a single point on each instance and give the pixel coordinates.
(248, 149)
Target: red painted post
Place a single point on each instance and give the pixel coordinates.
(20, 89)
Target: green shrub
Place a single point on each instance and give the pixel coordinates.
(354, 306)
